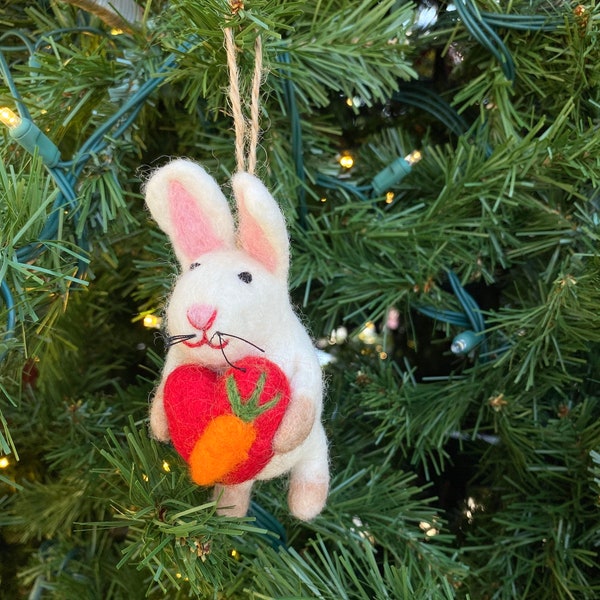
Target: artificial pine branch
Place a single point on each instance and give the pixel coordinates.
(454, 475)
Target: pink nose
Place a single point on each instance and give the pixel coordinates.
(201, 316)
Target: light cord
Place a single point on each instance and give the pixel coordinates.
(9, 306)
(66, 174)
(289, 97)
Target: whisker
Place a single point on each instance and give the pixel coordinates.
(221, 335)
(177, 339)
(218, 334)
(237, 337)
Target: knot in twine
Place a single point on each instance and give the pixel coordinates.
(246, 130)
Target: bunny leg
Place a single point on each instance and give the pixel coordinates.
(233, 500)
(309, 480)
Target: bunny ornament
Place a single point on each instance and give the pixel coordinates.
(241, 391)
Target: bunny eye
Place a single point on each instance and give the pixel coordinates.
(245, 276)
(194, 265)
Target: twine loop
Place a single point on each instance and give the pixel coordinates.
(247, 131)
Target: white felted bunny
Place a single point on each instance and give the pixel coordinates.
(241, 392)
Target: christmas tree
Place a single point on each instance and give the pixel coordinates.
(438, 167)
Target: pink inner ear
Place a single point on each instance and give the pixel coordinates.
(193, 232)
(254, 242)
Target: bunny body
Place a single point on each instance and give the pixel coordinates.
(231, 301)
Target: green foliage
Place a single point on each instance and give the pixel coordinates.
(550, 547)
(327, 42)
(454, 476)
(168, 532)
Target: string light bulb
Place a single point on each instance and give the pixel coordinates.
(4, 462)
(368, 334)
(346, 160)
(465, 342)
(30, 136)
(152, 322)
(395, 172)
(9, 118)
(414, 157)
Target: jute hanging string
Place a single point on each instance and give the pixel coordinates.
(246, 130)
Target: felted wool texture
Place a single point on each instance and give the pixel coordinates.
(292, 432)
(257, 245)
(259, 312)
(196, 234)
(208, 205)
(195, 396)
(307, 498)
(247, 310)
(222, 446)
(266, 423)
(261, 231)
(233, 500)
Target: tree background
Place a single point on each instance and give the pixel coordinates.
(462, 468)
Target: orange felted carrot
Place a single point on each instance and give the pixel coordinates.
(223, 445)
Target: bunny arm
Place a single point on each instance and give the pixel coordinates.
(159, 425)
(304, 408)
(296, 424)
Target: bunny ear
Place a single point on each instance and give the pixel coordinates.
(190, 208)
(261, 229)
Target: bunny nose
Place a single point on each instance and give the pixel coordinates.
(201, 316)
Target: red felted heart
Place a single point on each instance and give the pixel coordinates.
(194, 398)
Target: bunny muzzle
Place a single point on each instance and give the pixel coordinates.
(202, 317)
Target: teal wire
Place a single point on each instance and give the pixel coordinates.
(332, 183)
(11, 318)
(446, 316)
(27, 45)
(481, 24)
(523, 22)
(486, 36)
(58, 32)
(10, 84)
(468, 303)
(266, 520)
(471, 316)
(423, 98)
(96, 142)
